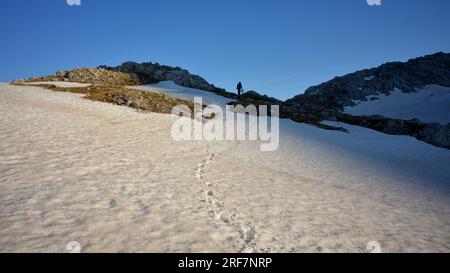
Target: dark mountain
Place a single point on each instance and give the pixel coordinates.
(407, 77)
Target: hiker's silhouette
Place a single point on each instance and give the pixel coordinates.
(239, 89)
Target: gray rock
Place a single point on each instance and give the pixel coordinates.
(436, 134)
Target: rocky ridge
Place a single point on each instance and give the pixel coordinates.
(148, 73)
(87, 75)
(407, 76)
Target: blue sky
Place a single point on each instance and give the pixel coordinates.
(275, 47)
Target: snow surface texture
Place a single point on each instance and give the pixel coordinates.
(114, 180)
(429, 105)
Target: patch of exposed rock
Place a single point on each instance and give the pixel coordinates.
(87, 75)
(436, 134)
(308, 114)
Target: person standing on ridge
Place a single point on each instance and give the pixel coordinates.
(239, 89)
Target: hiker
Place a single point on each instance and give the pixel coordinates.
(239, 89)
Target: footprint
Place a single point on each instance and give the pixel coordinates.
(145, 210)
(248, 234)
(216, 209)
(222, 216)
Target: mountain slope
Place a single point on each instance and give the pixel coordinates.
(394, 98)
(407, 77)
(372, 92)
(115, 181)
(430, 104)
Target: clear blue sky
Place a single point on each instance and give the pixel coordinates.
(276, 47)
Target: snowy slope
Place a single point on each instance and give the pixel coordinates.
(431, 104)
(171, 88)
(115, 180)
(395, 154)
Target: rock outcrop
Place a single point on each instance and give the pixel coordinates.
(148, 73)
(87, 75)
(436, 134)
